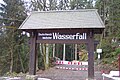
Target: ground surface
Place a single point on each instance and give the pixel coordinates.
(65, 74)
(60, 74)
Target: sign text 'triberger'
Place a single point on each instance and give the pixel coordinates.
(58, 36)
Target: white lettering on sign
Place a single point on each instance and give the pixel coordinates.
(58, 36)
(46, 37)
(63, 36)
(45, 34)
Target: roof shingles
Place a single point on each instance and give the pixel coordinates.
(86, 18)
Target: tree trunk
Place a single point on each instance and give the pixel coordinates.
(47, 55)
(75, 51)
(21, 62)
(37, 59)
(53, 50)
(11, 60)
(64, 52)
(40, 48)
(44, 55)
(44, 5)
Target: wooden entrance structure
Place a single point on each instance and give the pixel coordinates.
(77, 26)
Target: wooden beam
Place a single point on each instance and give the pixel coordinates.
(62, 41)
(119, 64)
(91, 56)
(32, 56)
(73, 30)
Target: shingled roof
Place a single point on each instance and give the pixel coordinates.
(85, 18)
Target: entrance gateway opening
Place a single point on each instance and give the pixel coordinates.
(73, 27)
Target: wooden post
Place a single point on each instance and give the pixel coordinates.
(119, 65)
(32, 56)
(91, 56)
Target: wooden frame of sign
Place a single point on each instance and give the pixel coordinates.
(63, 36)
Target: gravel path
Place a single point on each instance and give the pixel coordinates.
(59, 74)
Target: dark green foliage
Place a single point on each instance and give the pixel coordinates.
(13, 46)
(46, 5)
(110, 13)
(59, 51)
(117, 51)
(115, 17)
(81, 4)
(69, 52)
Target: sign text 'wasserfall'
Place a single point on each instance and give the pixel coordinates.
(58, 36)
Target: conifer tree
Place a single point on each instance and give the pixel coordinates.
(12, 14)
